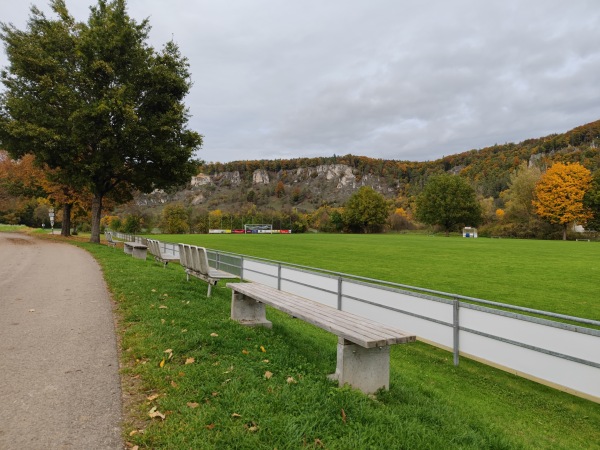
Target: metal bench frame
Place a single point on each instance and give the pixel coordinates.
(195, 262)
(159, 255)
(109, 239)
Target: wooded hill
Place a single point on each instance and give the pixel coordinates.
(307, 183)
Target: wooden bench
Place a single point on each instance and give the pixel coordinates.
(159, 255)
(195, 263)
(135, 249)
(109, 239)
(363, 349)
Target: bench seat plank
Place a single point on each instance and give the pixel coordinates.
(351, 327)
(365, 333)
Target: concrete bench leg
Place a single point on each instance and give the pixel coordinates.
(127, 249)
(248, 311)
(367, 369)
(139, 253)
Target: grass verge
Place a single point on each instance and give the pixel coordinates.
(220, 385)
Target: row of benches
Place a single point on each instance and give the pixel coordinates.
(363, 349)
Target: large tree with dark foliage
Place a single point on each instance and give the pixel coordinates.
(448, 201)
(97, 103)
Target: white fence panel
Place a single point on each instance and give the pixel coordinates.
(391, 298)
(424, 329)
(260, 272)
(557, 371)
(408, 320)
(551, 338)
(316, 287)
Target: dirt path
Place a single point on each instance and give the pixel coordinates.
(59, 381)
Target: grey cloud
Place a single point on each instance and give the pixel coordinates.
(384, 78)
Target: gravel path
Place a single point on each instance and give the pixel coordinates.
(59, 380)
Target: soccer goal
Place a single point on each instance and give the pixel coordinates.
(254, 228)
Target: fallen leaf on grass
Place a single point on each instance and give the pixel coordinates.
(152, 397)
(343, 415)
(268, 375)
(153, 290)
(319, 443)
(165, 295)
(210, 426)
(162, 321)
(184, 331)
(214, 334)
(265, 360)
(262, 349)
(236, 415)
(190, 361)
(251, 427)
(153, 413)
(162, 363)
(245, 352)
(215, 394)
(135, 447)
(291, 380)
(193, 404)
(173, 384)
(163, 307)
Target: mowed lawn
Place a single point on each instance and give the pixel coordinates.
(557, 276)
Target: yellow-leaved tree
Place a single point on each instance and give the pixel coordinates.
(559, 195)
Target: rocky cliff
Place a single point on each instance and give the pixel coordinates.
(305, 188)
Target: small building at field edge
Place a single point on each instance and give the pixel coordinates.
(469, 232)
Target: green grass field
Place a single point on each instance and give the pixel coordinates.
(557, 276)
(220, 390)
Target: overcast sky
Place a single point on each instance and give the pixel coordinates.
(398, 79)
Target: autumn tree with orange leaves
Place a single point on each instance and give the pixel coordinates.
(559, 195)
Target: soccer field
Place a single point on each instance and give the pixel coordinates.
(557, 276)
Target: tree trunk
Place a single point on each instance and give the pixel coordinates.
(565, 232)
(96, 213)
(66, 220)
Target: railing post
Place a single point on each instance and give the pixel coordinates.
(279, 276)
(339, 301)
(456, 327)
(241, 268)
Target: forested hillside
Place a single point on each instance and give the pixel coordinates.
(488, 168)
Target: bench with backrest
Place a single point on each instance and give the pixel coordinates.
(195, 262)
(109, 239)
(363, 349)
(135, 249)
(160, 255)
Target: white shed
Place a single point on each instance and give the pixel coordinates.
(469, 232)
